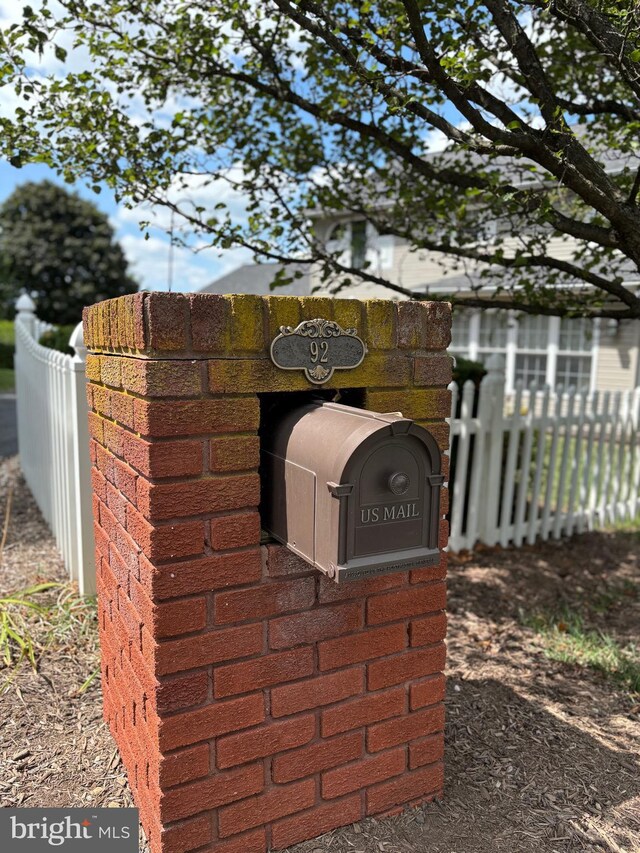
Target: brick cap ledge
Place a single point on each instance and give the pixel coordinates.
(201, 325)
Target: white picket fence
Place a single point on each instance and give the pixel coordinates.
(543, 463)
(53, 439)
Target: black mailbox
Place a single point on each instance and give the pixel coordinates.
(355, 493)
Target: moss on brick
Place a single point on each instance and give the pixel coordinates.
(412, 325)
(438, 325)
(210, 323)
(247, 333)
(161, 378)
(348, 313)
(111, 370)
(256, 375)
(93, 367)
(167, 321)
(419, 404)
(432, 370)
(381, 323)
(281, 311)
(313, 307)
(160, 323)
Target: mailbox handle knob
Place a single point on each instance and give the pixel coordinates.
(399, 483)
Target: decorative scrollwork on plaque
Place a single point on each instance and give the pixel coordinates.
(318, 347)
(318, 329)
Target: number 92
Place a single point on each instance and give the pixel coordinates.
(319, 351)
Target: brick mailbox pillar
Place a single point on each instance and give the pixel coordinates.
(255, 702)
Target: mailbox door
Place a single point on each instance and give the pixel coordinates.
(392, 511)
(390, 500)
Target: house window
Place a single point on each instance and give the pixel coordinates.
(531, 350)
(530, 368)
(337, 234)
(538, 350)
(533, 332)
(358, 244)
(574, 362)
(460, 332)
(574, 371)
(555, 352)
(338, 242)
(493, 334)
(493, 331)
(575, 335)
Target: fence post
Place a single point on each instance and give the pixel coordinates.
(491, 415)
(84, 546)
(26, 312)
(26, 317)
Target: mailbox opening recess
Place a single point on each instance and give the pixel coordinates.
(355, 493)
(276, 405)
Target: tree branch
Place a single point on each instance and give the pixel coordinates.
(460, 97)
(601, 32)
(512, 304)
(608, 106)
(525, 55)
(395, 64)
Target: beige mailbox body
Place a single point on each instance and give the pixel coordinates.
(353, 492)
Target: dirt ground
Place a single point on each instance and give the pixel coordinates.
(541, 756)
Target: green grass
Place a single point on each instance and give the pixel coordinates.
(40, 618)
(566, 639)
(18, 612)
(630, 525)
(613, 597)
(7, 343)
(7, 380)
(7, 334)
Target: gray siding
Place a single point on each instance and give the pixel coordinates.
(617, 366)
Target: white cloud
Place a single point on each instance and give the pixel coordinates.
(149, 260)
(188, 192)
(436, 141)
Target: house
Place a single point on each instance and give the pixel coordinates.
(586, 354)
(258, 278)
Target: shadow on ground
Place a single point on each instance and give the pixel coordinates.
(541, 756)
(8, 425)
(518, 778)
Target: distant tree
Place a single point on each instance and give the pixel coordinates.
(61, 249)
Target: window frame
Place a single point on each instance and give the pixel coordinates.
(475, 351)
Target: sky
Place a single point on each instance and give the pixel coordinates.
(148, 258)
(148, 255)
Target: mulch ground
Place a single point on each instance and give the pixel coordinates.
(541, 756)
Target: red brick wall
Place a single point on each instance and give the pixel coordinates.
(255, 703)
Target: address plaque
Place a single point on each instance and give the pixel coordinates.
(318, 347)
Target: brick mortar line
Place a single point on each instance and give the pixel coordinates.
(240, 355)
(167, 439)
(179, 519)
